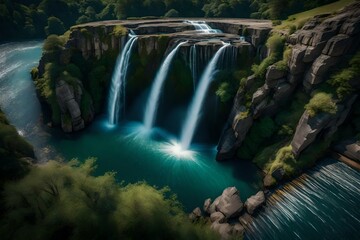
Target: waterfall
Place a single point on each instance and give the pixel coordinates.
(322, 202)
(193, 64)
(118, 81)
(202, 26)
(152, 103)
(193, 114)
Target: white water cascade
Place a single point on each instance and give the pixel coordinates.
(193, 64)
(202, 26)
(153, 100)
(193, 114)
(118, 81)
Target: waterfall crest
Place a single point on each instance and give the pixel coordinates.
(153, 100)
(118, 81)
(202, 26)
(193, 114)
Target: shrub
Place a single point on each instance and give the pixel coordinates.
(53, 43)
(223, 92)
(172, 13)
(67, 200)
(276, 43)
(119, 31)
(276, 22)
(284, 159)
(55, 26)
(321, 102)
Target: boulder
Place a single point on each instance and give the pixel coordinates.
(254, 202)
(224, 229)
(195, 214)
(217, 217)
(65, 96)
(337, 45)
(307, 130)
(351, 27)
(282, 91)
(320, 66)
(207, 204)
(274, 73)
(349, 148)
(312, 52)
(238, 230)
(278, 174)
(213, 206)
(230, 203)
(260, 94)
(296, 64)
(269, 181)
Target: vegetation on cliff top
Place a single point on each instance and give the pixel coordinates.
(21, 19)
(60, 201)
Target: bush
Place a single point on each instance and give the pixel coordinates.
(119, 31)
(276, 22)
(55, 26)
(66, 202)
(276, 44)
(53, 43)
(321, 102)
(172, 13)
(284, 159)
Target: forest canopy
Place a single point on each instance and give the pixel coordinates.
(64, 201)
(39, 18)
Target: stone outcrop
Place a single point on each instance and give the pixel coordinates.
(254, 202)
(230, 203)
(320, 45)
(69, 100)
(349, 148)
(308, 127)
(195, 214)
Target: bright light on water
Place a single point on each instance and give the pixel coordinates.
(175, 149)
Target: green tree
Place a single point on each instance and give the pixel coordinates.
(55, 26)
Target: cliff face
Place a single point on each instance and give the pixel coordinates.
(94, 45)
(322, 44)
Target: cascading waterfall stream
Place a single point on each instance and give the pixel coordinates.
(193, 64)
(322, 202)
(202, 26)
(118, 81)
(153, 100)
(193, 114)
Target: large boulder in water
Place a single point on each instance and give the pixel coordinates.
(217, 217)
(230, 203)
(207, 204)
(195, 214)
(254, 202)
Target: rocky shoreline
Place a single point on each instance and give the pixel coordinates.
(227, 214)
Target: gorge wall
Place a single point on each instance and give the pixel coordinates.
(74, 92)
(314, 83)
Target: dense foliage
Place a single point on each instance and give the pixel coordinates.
(14, 151)
(64, 201)
(38, 18)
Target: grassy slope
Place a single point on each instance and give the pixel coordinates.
(303, 16)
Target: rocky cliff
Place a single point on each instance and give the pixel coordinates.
(82, 66)
(317, 60)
